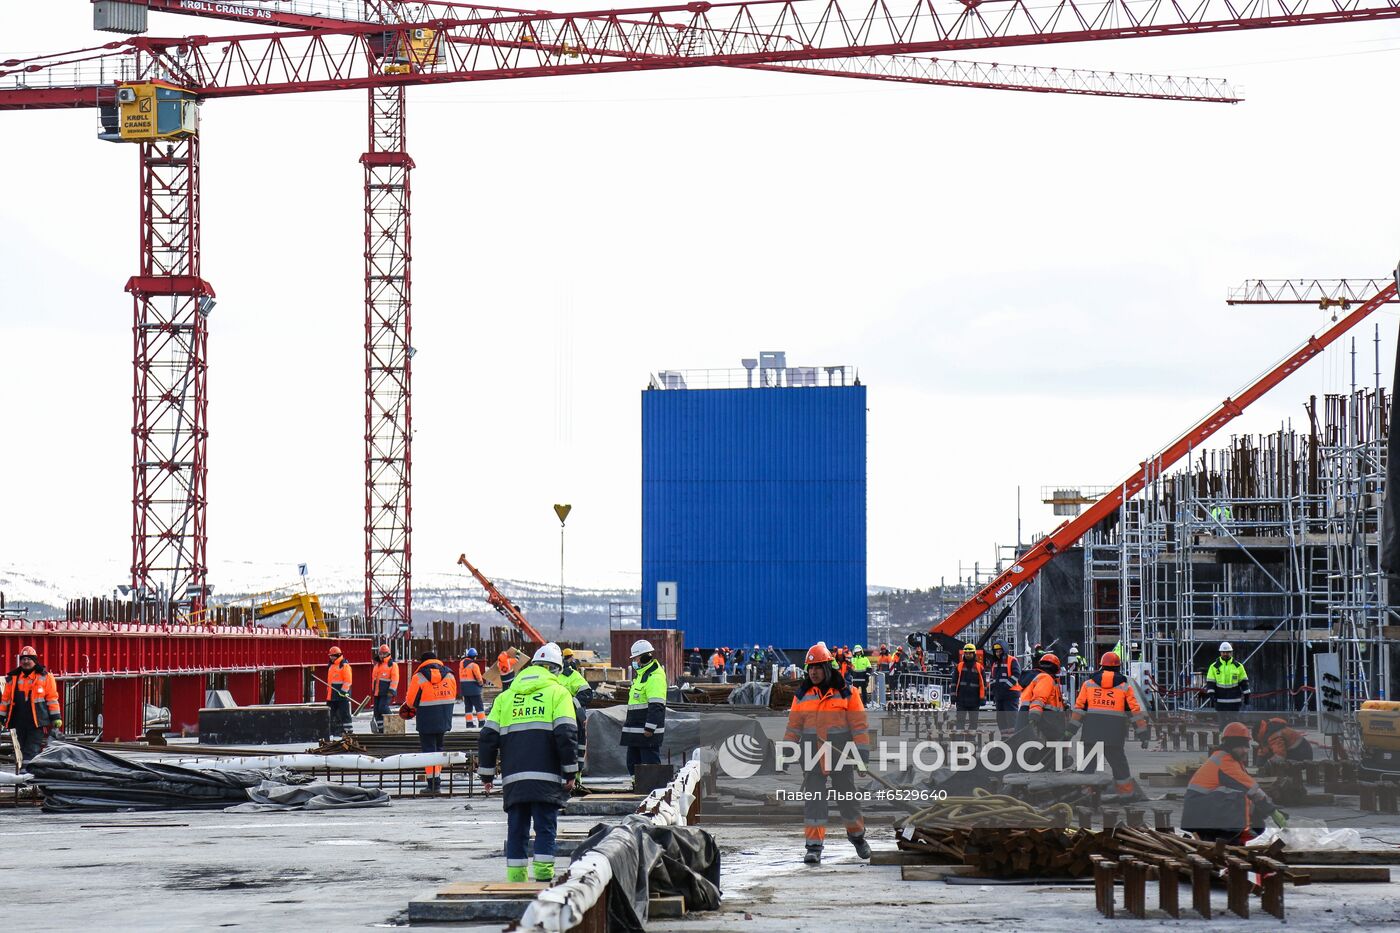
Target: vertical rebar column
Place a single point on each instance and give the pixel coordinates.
(388, 368)
(170, 388)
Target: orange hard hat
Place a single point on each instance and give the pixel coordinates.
(383, 649)
(335, 649)
(1048, 658)
(1110, 659)
(28, 652)
(818, 654)
(1235, 730)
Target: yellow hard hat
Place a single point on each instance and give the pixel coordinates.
(568, 652)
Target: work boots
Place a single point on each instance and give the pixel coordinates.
(813, 856)
(862, 847)
(515, 873)
(433, 788)
(543, 871)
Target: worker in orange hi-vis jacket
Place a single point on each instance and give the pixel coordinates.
(505, 666)
(432, 694)
(30, 703)
(1105, 705)
(470, 683)
(828, 718)
(339, 677)
(1042, 701)
(384, 680)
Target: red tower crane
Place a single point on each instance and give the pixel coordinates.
(410, 44)
(388, 258)
(1326, 292)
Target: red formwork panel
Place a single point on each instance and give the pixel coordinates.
(86, 649)
(186, 697)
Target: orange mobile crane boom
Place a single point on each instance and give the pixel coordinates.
(502, 605)
(1066, 535)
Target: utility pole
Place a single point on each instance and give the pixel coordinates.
(563, 512)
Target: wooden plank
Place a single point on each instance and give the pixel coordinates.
(935, 872)
(902, 857)
(665, 908)
(1341, 856)
(492, 889)
(1343, 874)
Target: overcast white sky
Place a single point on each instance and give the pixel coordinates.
(1031, 285)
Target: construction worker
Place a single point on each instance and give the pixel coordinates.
(969, 687)
(471, 681)
(1075, 662)
(843, 665)
(505, 666)
(1004, 678)
(860, 674)
(717, 663)
(695, 663)
(884, 660)
(737, 663)
(1227, 685)
(339, 676)
(29, 703)
(828, 718)
(1279, 742)
(1223, 801)
(572, 680)
(645, 726)
(1042, 702)
(1103, 707)
(530, 735)
(384, 680)
(432, 693)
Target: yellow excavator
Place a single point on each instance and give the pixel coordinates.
(304, 607)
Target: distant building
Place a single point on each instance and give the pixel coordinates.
(753, 505)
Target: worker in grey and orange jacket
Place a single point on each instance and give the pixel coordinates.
(828, 718)
(470, 682)
(30, 704)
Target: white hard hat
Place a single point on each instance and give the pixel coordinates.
(1226, 646)
(858, 648)
(641, 647)
(755, 647)
(549, 654)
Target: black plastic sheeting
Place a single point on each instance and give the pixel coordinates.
(654, 861)
(78, 779)
(685, 730)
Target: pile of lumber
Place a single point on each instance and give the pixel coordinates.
(1004, 838)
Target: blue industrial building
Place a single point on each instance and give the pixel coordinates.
(753, 506)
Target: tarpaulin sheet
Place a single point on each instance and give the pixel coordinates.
(318, 795)
(75, 778)
(684, 731)
(753, 693)
(655, 861)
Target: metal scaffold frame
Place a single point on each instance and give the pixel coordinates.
(1271, 543)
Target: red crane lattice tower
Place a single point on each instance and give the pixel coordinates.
(170, 426)
(388, 366)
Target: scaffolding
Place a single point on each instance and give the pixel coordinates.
(1271, 543)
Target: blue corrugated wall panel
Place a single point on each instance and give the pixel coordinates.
(753, 502)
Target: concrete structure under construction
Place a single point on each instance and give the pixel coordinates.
(753, 505)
